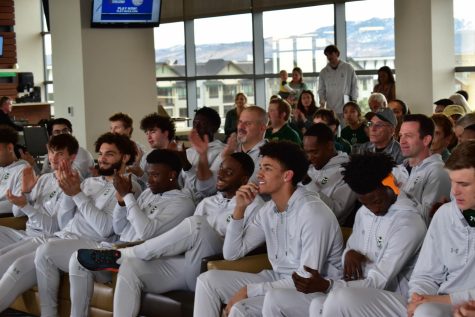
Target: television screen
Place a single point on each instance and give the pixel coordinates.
(125, 13)
(1, 45)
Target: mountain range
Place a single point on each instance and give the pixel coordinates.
(365, 39)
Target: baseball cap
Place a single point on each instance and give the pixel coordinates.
(387, 115)
(453, 110)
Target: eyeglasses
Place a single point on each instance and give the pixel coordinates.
(377, 125)
(63, 131)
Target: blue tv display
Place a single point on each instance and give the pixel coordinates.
(126, 13)
(1, 45)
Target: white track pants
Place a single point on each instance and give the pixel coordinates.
(214, 288)
(171, 261)
(18, 270)
(288, 303)
(51, 258)
(360, 302)
(371, 302)
(9, 236)
(81, 282)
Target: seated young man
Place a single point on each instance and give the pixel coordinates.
(39, 198)
(443, 276)
(172, 260)
(161, 207)
(10, 171)
(324, 173)
(206, 123)
(329, 118)
(83, 162)
(279, 114)
(160, 133)
(298, 228)
(85, 216)
(41, 205)
(422, 174)
(381, 251)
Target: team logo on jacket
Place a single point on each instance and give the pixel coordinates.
(379, 242)
(153, 209)
(228, 219)
(324, 180)
(7, 175)
(52, 194)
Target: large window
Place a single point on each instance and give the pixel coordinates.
(222, 61)
(224, 45)
(464, 33)
(48, 64)
(219, 94)
(464, 36)
(369, 40)
(171, 95)
(170, 50)
(295, 37)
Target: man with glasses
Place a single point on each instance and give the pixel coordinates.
(249, 138)
(83, 161)
(381, 136)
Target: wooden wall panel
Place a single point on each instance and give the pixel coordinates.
(8, 85)
(7, 21)
(8, 59)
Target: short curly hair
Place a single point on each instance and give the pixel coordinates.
(166, 157)
(365, 172)
(64, 141)
(245, 161)
(154, 120)
(289, 155)
(212, 115)
(123, 144)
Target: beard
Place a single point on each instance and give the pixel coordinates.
(110, 170)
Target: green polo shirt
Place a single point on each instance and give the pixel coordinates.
(285, 133)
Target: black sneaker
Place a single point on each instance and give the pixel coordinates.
(99, 260)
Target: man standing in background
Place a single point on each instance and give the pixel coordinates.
(337, 83)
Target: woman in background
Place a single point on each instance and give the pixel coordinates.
(232, 116)
(386, 83)
(297, 83)
(306, 107)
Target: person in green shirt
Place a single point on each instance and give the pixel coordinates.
(279, 113)
(329, 118)
(355, 130)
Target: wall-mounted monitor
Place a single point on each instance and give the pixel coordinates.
(1, 45)
(125, 13)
